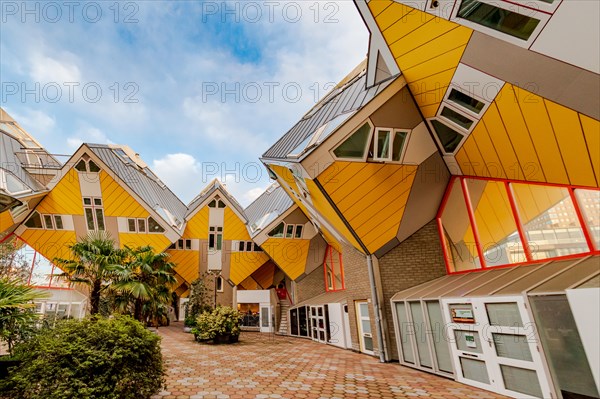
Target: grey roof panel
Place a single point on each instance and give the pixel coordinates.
(349, 97)
(145, 184)
(9, 148)
(273, 201)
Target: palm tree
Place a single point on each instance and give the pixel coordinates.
(94, 261)
(16, 304)
(146, 279)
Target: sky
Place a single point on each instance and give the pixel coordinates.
(200, 89)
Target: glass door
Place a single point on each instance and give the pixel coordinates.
(495, 347)
(364, 327)
(303, 321)
(294, 322)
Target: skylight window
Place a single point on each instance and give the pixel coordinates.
(12, 184)
(320, 134)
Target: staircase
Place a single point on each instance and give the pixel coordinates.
(284, 306)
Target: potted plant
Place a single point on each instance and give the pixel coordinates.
(222, 326)
(189, 323)
(204, 330)
(197, 303)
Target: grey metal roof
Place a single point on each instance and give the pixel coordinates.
(143, 182)
(273, 201)
(346, 98)
(9, 161)
(208, 191)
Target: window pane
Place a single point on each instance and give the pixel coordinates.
(512, 346)
(459, 235)
(93, 167)
(89, 217)
(179, 244)
(87, 201)
(131, 225)
(420, 336)
(13, 184)
(34, 221)
(48, 222)
(212, 204)
(438, 336)
(466, 101)
(154, 227)
(211, 241)
(188, 244)
(475, 370)
(457, 118)
(589, 203)
(383, 144)
(289, 231)
(81, 166)
(521, 380)
(277, 231)
(355, 146)
(142, 225)
(249, 246)
(511, 23)
(219, 241)
(100, 219)
(504, 314)
(448, 137)
(495, 221)
(58, 223)
(298, 231)
(399, 139)
(241, 246)
(257, 248)
(549, 220)
(221, 204)
(467, 341)
(97, 201)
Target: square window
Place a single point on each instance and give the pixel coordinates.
(298, 231)
(188, 244)
(249, 246)
(87, 201)
(382, 144)
(289, 231)
(58, 223)
(142, 225)
(131, 225)
(48, 222)
(449, 139)
(98, 201)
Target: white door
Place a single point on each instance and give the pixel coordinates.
(495, 346)
(346, 319)
(317, 324)
(365, 336)
(265, 319)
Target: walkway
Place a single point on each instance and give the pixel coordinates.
(266, 366)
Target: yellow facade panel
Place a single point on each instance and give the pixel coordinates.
(426, 33)
(233, 227)
(249, 284)
(392, 14)
(542, 135)
(290, 255)
(65, 197)
(504, 149)
(363, 183)
(591, 130)
(117, 201)
(287, 176)
(243, 264)
(433, 66)
(157, 241)
(378, 6)
(433, 82)
(6, 221)
(451, 40)
(50, 244)
(338, 173)
(477, 165)
(197, 226)
(463, 161)
(378, 238)
(431, 98)
(571, 141)
(488, 151)
(330, 239)
(512, 118)
(405, 24)
(187, 263)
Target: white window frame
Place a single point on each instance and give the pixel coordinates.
(457, 106)
(220, 278)
(94, 207)
(4, 184)
(437, 139)
(459, 111)
(393, 133)
(347, 136)
(543, 16)
(216, 234)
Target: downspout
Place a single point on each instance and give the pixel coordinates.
(376, 306)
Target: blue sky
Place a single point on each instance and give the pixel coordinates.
(198, 89)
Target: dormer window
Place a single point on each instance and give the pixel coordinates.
(217, 203)
(87, 166)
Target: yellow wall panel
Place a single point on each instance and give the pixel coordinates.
(433, 82)
(512, 118)
(290, 255)
(50, 244)
(117, 201)
(330, 239)
(64, 198)
(591, 130)
(197, 226)
(428, 32)
(429, 111)
(571, 142)
(404, 24)
(488, 151)
(265, 275)
(463, 160)
(392, 13)
(234, 228)
(157, 241)
(188, 263)
(243, 264)
(477, 165)
(249, 284)
(377, 6)
(504, 149)
(286, 174)
(6, 221)
(451, 40)
(542, 135)
(433, 66)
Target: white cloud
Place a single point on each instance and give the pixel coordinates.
(36, 122)
(253, 194)
(46, 69)
(87, 134)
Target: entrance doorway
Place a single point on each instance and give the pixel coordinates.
(365, 335)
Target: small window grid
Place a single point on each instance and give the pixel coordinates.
(215, 238)
(284, 230)
(45, 221)
(246, 246)
(182, 244)
(94, 213)
(136, 225)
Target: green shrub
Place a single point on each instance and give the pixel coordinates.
(92, 358)
(222, 321)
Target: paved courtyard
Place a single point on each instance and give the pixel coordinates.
(267, 366)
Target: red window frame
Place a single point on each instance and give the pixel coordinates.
(329, 254)
(591, 244)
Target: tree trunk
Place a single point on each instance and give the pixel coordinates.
(138, 310)
(95, 297)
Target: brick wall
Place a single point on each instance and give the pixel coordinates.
(311, 285)
(416, 260)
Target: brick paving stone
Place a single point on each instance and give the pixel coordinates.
(273, 367)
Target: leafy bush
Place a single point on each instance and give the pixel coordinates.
(92, 358)
(222, 321)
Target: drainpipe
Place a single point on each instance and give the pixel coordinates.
(382, 345)
(375, 296)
